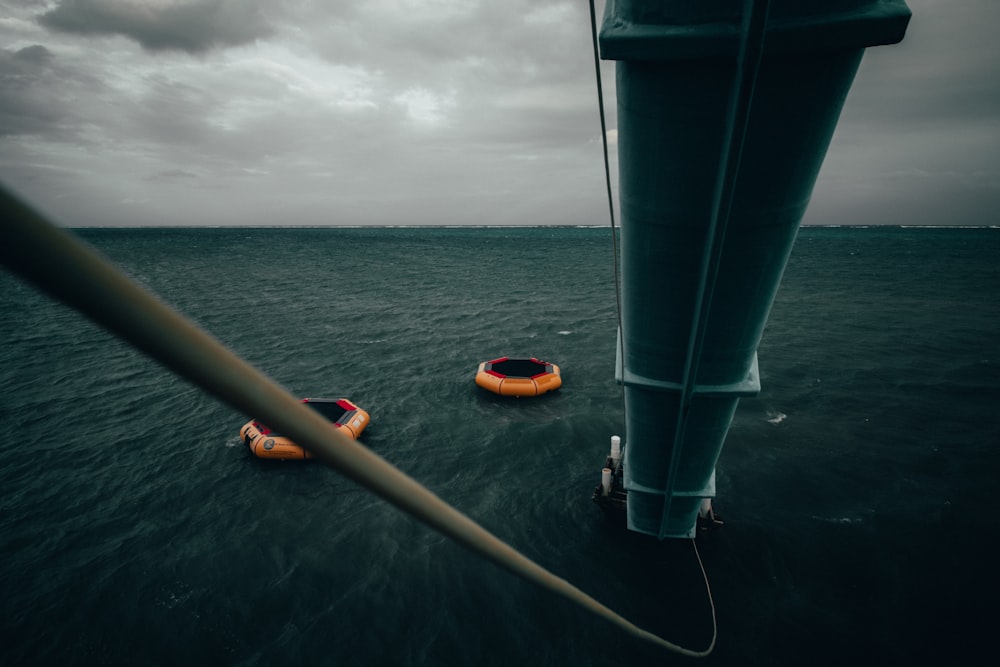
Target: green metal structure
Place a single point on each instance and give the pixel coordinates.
(725, 112)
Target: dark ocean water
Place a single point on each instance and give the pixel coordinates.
(858, 489)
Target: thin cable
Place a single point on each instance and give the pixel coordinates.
(708, 592)
(620, 351)
(69, 270)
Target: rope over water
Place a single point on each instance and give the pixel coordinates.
(70, 271)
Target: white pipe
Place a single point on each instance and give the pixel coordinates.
(705, 511)
(616, 449)
(605, 481)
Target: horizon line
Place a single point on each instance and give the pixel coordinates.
(567, 226)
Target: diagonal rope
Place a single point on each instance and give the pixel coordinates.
(70, 271)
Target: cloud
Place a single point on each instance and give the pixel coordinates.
(919, 138)
(439, 111)
(36, 55)
(36, 90)
(193, 26)
(424, 106)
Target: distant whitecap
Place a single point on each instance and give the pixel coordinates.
(841, 520)
(564, 333)
(776, 417)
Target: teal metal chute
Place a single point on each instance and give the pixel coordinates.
(725, 113)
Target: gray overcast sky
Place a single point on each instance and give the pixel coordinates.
(267, 112)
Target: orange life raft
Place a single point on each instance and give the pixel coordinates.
(268, 444)
(518, 377)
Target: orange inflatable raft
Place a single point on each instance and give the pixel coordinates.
(518, 377)
(268, 444)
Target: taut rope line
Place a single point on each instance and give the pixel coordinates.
(70, 271)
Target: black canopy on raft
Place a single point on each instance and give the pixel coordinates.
(331, 408)
(518, 377)
(519, 368)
